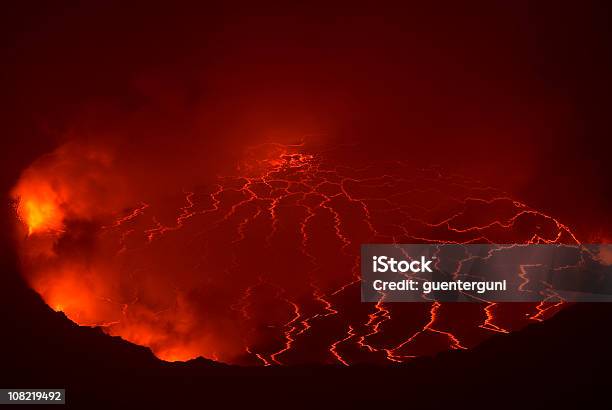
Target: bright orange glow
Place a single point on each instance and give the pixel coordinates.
(79, 294)
(39, 208)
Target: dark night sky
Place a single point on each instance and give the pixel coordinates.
(518, 95)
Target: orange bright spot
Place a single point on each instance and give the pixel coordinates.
(37, 215)
(39, 207)
(175, 355)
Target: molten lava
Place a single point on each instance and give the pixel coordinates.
(262, 267)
